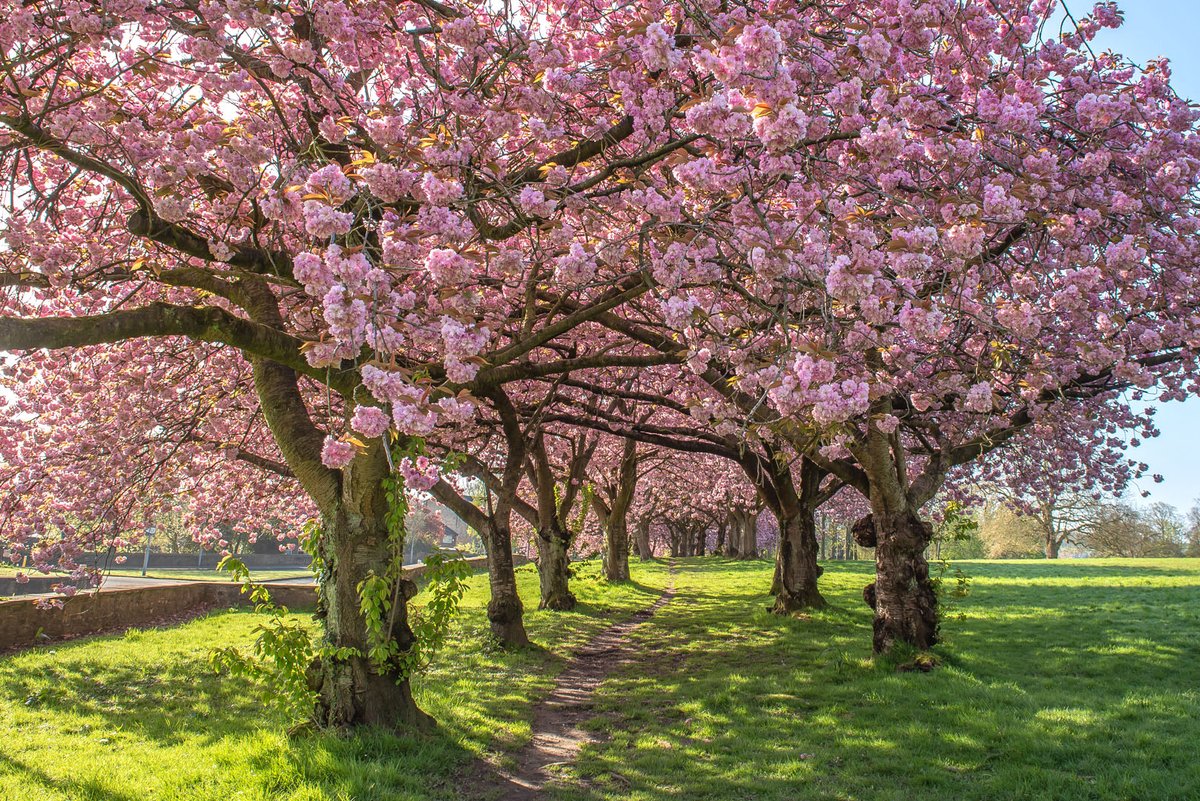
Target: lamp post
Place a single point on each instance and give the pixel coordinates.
(146, 555)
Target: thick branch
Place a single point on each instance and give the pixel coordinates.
(202, 323)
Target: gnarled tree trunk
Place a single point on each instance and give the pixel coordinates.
(902, 596)
(796, 565)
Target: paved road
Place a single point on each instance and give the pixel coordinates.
(133, 582)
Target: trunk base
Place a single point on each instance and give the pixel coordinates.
(349, 694)
(903, 597)
(559, 601)
(788, 603)
(506, 623)
(616, 566)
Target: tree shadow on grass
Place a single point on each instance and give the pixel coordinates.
(1065, 707)
(80, 789)
(160, 701)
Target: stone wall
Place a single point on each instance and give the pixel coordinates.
(23, 623)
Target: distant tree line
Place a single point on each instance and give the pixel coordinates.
(1076, 524)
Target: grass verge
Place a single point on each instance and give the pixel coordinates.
(1071, 680)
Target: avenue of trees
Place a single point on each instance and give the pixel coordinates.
(580, 269)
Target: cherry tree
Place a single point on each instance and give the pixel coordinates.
(350, 201)
(937, 223)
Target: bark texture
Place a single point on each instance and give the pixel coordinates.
(554, 568)
(615, 515)
(504, 609)
(902, 596)
(642, 539)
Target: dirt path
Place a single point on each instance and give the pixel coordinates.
(557, 736)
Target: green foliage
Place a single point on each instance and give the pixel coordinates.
(282, 649)
(446, 582)
(949, 580)
(376, 605)
(585, 504)
(380, 595)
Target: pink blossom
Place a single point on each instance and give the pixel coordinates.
(447, 267)
(336, 453)
(370, 421)
(420, 473)
(979, 398)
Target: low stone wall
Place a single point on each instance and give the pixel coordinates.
(23, 623)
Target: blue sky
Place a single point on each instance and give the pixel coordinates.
(1165, 28)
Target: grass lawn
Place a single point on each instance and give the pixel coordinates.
(1070, 680)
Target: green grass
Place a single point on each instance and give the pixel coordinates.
(1070, 680)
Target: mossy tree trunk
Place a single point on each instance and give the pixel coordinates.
(355, 544)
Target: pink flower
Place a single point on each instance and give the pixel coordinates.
(323, 221)
(370, 421)
(979, 398)
(576, 267)
(446, 267)
(419, 474)
(658, 48)
(330, 181)
(887, 423)
(336, 453)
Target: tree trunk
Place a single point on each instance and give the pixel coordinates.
(504, 610)
(796, 569)
(554, 569)
(616, 528)
(902, 596)
(719, 547)
(1052, 546)
(350, 691)
(616, 548)
(644, 550)
(797, 565)
(734, 539)
(749, 535)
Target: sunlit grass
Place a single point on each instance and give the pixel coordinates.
(141, 716)
(1069, 680)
